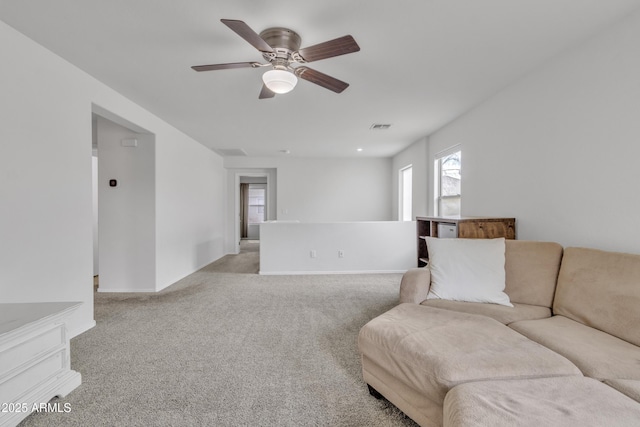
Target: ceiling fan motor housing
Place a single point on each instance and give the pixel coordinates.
(283, 41)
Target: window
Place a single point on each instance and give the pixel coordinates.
(447, 182)
(406, 185)
(256, 204)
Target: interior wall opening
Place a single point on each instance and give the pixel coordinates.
(123, 178)
(263, 178)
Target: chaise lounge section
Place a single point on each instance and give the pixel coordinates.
(428, 351)
(574, 401)
(569, 346)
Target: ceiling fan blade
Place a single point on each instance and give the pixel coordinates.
(244, 31)
(226, 66)
(266, 93)
(335, 47)
(321, 79)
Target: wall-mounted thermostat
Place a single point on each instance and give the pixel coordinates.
(113, 183)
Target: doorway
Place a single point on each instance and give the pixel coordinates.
(258, 179)
(123, 157)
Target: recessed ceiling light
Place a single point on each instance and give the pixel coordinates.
(285, 151)
(359, 149)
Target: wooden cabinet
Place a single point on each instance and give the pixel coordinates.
(466, 227)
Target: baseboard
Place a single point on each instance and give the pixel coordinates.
(304, 273)
(125, 290)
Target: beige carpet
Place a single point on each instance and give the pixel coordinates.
(228, 347)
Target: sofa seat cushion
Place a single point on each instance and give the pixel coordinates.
(431, 349)
(597, 354)
(629, 387)
(573, 401)
(498, 312)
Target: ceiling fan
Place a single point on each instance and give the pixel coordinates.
(281, 48)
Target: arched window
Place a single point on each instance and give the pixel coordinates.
(447, 189)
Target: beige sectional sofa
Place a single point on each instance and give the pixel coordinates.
(566, 353)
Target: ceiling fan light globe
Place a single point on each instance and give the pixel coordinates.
(279, 81)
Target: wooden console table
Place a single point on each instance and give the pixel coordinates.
(34, 357)
(469, 227)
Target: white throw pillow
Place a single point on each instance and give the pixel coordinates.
(467, 270)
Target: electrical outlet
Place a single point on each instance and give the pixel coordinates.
(313, 253)
(340, 254)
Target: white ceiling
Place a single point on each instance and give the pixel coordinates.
(422, 62)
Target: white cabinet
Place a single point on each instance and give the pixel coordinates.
(34, 357)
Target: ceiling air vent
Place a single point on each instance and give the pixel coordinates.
(225, 152)
(379, 126)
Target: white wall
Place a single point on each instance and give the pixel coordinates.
(190, 207)
(416, 156)
(45, 182)
(126, 212)
(367, 247)
(559, 149)
(324, 189)
(327, 189)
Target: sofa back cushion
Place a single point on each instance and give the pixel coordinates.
(602, 290)
(532, 271)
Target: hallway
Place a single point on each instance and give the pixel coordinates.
(246, 262)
